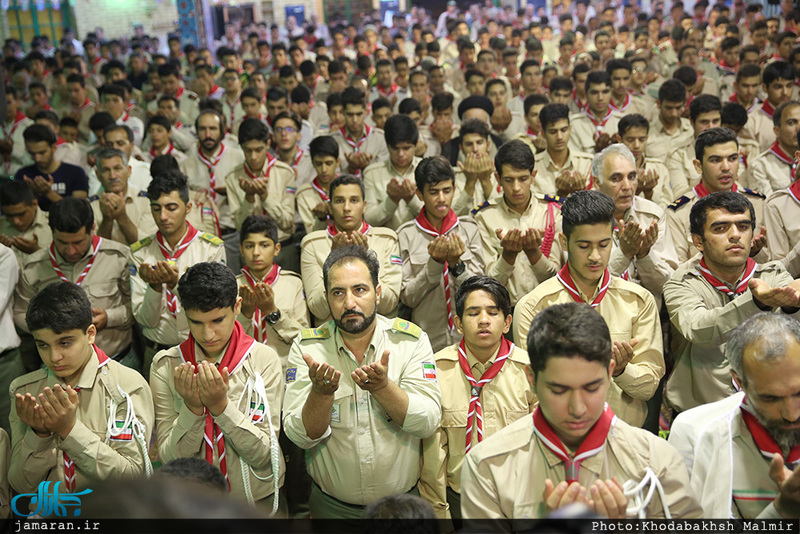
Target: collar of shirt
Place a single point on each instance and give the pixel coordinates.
(198, 350)
(593, 463)
(85, 381)
(374, 345)
(551, 166)
(409, 171)
(84, 259)
(501, 201)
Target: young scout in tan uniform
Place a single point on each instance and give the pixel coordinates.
(527, 469)
(79, 106)
(474, 184)
(359, 145)
(12, 145)
(287, 132)
(218, 394)
(717, 162)
(653, 176)
(162, 140)
(440, 250)
(778, 82)
(312, 198)
(592, 126)
(519, 229)
(783, 226)
(774, 168)
(83, 417)
(274, 305)
(533, 131)
(669, 130)
(98, 265)
(24, 227)
(158, 260)
(361, 393)
(560, 170)
(709, 296)
(484, 373)
(629, 309)
(171, 85)
(122, 212)
(347, 227)
(390, 188)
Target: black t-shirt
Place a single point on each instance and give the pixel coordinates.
(66, 179)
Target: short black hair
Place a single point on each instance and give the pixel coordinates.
(353, 96)
(259, 224)
(380, 103)
(401, 129)
(60, 307)
(348, 254)
(208, 286)
(586, 207)
(561, 83)
(119, 127)
(164, 163)
(13, 192)
(431, 171)
(483, 283)
(552, 113)
(474, 126)
(704, 104)
(597, 77)
(517, 154)
(333, 100)
(324, 145)
(165, 183)
(733, 113)
(729, 201)
(572, 330)
(634, 120)
(346, 179)
(113, 89)
(38, 133)
(535, 99)
(672, 90)
(686, 75)
(750, 70)
(442, 101)
(277, 93)
(712, 137)
(777, 70)
(195, 471)
(70, 214)
(251, 129)
(301, 95)
(250, 92)
(617, 64)
(298, 122)
(160, 120)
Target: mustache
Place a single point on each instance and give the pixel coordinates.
(354, 312)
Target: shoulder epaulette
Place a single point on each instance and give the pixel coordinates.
(480, 207)
(678, 203)
(141, 243)
(142, 194)
(315, 333)
(753, 193)
(94, 197)
(406, 327)
(554, 198)
(29, 378)
(214, 240)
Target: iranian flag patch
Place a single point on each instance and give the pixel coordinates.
(256, 412)
(125, 433)
(429, 370)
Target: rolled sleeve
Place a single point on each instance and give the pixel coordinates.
(424, 411)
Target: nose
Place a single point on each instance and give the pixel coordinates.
(349, 301)
(576, 405)
(594, 255)
(55, 355)
(790, 411)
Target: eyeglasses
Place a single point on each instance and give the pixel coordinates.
(287, 129)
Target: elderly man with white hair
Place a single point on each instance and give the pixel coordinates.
(639, 244)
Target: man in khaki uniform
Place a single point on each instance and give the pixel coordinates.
(476, 148)
(774, 168)
(23, 227)
(629, 310)
(361, 394)
(77, 387)
(155, 270)
(778, 82)
(669, 131)
(559, 161)
(359, 145)
(12, 145)
(312, 198)
(202, 420)
(519, 229)
(170, 83)
(79, 107)
(483, 315)
(122, 212)
(653, 176)
(524, 470)
(710, 295)
(783, 227)
(98, 265)
(347, 227)
(390, 191)
(599, 119)
(440, 251)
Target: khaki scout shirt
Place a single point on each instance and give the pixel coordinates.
(181, 433)
(150, 306)
(381, 209)
(581, 139)
(521, 277)
(364, 455)
(188, 103)
(86, 112)
(423, 278)
(176, 152)
(19, 156)
(233, 113)
(507, 398)
(503, 478)
(291, 302)
(753, 489)
(768, 173)
(462, 204)
(200, 178)
(783, 228)
(374, 144)
(762, 129)
(137, 207)
(303, 168)
(97, 455)
(107, 284)
(662, 192)
(749, 150)
(278, 203)
(40, 228)
(682, 173)
(307, 199)
(703, 319)
(315, 249)
(544, 183)
(630, 312)
(661, 144)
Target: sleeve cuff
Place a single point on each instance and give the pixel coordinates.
(230, 419)
(78, 440)
(116, 317)
(37, 444)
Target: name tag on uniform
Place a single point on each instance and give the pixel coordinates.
(336, 415)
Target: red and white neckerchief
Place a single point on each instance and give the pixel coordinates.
(582, 106)
(701, 190)
(449, 222)
(191, 235)
(591, 445)
(297, 158)
(387, 93)
(239, 348)
(569, 284)
(69, 465)
(724, 67)
(475, 411)
(333, 231)
(764, 441)
(179, 92)
(178, 124)
(634, 92)
(259, 319)
(78, 109)
(233, 108)
(60, 141)
(154, 153)
(530, 133)
(550, 230)
(14, 125)
(125, 117)
(794, 189)
(214, 90)
(779, 153)
(624, 105)
(735, 98)
(96, 240)
(210, 164)
(719, 285)
(269, 163)
(599, 125)
(350, 141)
(315, 185)
(767, 109)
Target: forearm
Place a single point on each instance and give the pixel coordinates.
(317, 414)
(394, 400)
(105, 228)
(128, 229)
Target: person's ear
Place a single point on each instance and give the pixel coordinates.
(698, 166)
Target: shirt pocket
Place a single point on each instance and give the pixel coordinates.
(342, 410)
(105, 293)
(454, 418)
(514, 415)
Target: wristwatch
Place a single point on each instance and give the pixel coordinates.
(458, 269)
(274, 317)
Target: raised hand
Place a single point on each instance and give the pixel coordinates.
(324, 377)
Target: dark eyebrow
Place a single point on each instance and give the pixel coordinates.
(592, 383)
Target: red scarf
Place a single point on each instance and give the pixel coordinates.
(624, 105)
(17, 120)
(450, 222)
(475, 411)
(315, 185)
(179, 92)
(86, 104)
(724, 67)
(95, 246)
(779, 153)
(566, 279)
(60, 141)
(270, 163)
(333, 231)
(767, 109)
(701, 190)
(191, 235)
(530, 133)
(233, 109)
(719, 285)
(387, 94)
(602, 122)
(351, 142)
(582, 106)
(297, 158)
(239, 348)
(154, 154)
(735, 98)
(794, 191)
(764, 441)
(550, 231)
(259, 319)
(212, 92)
(210, 164)
(592, 444)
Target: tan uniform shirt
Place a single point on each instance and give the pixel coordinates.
(503, 478)
(291, 302)
(544, 183)
(278, 203)
(463, 204)
(200, 177)
(381, 209)
(188, 103)
(661, 144)
(374, 143)
(40, 228)
(783, 229)
(181, 433)
(150, 306)
(761, 126)
(507, 398)
(749, 150)
(303, 169)
(581, 139)
(521, 277)
(423, 278)
(19, 154)
(233, 113)
(137, 206)
(307, 199)
(682, 173)
(769, 173)
(662, 192)
(703, 320)
(315, 248)
(365, 455)
(630, 312)
(107, 283)
(97, 455)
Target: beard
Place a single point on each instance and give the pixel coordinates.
(355, 325)
(786, 438)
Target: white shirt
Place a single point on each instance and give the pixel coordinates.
(9, 274)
